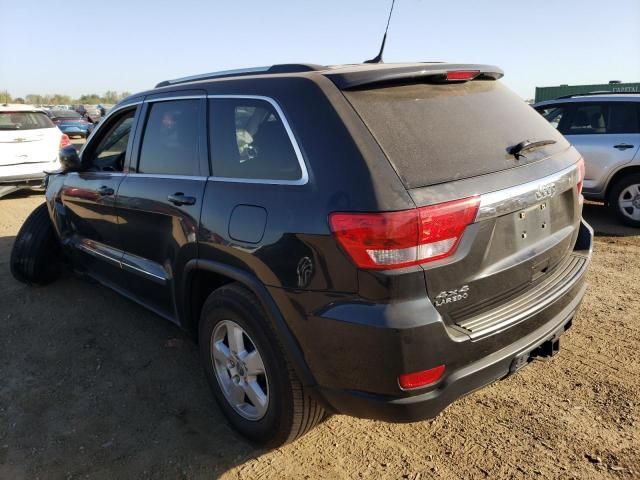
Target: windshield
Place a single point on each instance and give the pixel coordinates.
(24, 121)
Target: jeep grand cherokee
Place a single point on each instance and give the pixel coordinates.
(372, 240)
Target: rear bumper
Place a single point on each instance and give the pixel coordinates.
(463, 381)
(361, 380)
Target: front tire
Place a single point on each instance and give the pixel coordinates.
(252, 381)
(624, 199)
(36, 254)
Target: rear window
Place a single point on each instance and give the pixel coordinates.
(24, 121)
(65, 114)
(439, 133)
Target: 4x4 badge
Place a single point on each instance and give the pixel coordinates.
(451, 296)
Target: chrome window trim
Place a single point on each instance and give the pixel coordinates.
(502, 202)
(113, 111)
(168, 99)
(304, 178)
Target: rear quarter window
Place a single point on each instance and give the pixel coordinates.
(249, 140)
(438, 133)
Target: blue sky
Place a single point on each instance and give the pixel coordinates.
(49, 46)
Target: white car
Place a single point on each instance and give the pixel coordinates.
(29, 145)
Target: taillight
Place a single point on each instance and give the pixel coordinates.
(64, 141)
(464, 75)
(581, 171)
(401, 239)
(409, 381)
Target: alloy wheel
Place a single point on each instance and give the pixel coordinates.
(240, 370)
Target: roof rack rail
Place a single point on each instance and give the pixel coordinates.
(278, 68)
(599, 92)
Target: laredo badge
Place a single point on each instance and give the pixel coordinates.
(451, 296)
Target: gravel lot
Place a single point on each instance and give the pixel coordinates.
(94, 386)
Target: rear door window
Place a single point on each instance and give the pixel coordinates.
(249, 140)
(170, 139)
(436, 133)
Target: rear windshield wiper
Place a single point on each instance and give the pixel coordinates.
(525, 145)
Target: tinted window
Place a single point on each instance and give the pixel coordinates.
(600, 118)
(111, 147)
(249, 140)
(623, 118)
(587, 119)
(437, 133)
(170, 141)
(24, 121)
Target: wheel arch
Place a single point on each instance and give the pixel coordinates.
(626, 170)
(201, 277)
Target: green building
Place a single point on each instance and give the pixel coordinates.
(614, 86)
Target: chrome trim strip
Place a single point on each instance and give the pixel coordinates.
(511, 199)
(98, 250)
(105, 252)
(220, 73)
(166, 99)
(100, 173)
(126, 265)
(168, 176)
(303, 180)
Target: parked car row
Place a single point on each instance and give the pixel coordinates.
(71, 122)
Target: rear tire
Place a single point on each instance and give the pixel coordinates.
(624, 199)
(36, 254)
(286, 411)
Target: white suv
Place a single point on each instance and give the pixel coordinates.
(29, 145)
(605, 128)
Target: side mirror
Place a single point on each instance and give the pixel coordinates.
(69, 159)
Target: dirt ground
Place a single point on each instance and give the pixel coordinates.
(94, 386)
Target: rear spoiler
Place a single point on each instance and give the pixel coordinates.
(349, 79)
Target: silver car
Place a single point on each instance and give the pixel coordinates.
(605, 128)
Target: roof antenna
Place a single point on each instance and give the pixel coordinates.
(378, 58)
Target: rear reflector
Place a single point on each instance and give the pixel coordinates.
(401, 239)
(582, 172)
(454, 75)
(64, 141)
(409, 381)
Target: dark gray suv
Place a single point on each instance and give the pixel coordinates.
(373, 240)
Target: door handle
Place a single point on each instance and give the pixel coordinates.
(181, 199)
(623, 146)
(105, 191)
